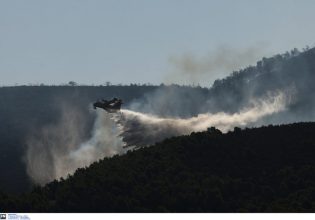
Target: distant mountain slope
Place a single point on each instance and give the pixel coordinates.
(267, 169)
(292, 72)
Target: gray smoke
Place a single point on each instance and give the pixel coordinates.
(58, 149)
(192, 69)
(172, 101)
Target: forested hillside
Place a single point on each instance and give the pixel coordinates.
(267, 169)
(292, 72)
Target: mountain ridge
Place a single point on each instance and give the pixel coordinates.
(266, 169)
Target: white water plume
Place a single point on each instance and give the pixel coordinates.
(143, 129)
(57, 150)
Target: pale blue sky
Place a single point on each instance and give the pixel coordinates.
(131, 41)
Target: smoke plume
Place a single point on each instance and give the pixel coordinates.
(189, 68)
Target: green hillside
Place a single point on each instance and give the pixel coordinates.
(267, 169)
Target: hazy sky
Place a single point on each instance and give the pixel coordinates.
(138, 41)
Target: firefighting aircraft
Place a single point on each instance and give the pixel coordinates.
(111, 106)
